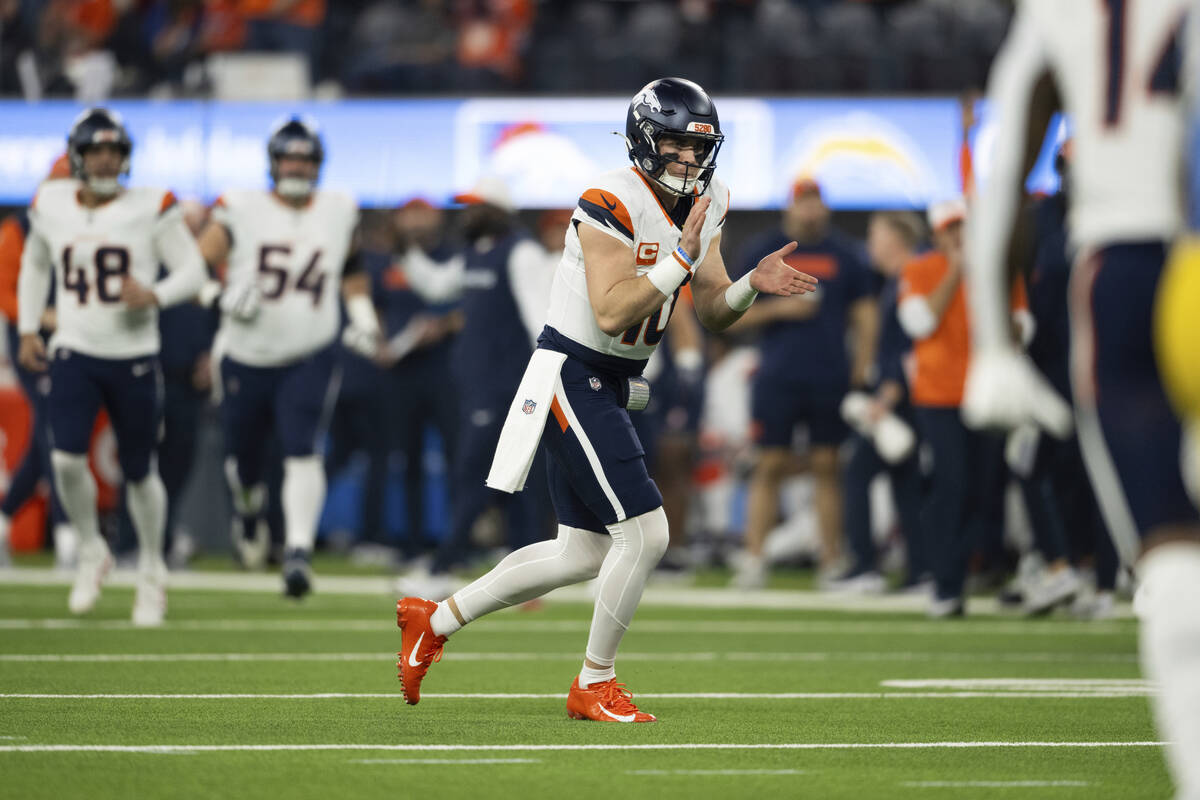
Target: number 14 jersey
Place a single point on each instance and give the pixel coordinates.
(295, 258)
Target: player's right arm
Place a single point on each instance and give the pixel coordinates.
(33, 292)
(620, 298)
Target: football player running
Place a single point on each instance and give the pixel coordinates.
(101, 244)
(288, 249)
(636, 237)
(1115, 67)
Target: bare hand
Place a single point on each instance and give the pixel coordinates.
(773, 275)
(49, 320)
(202, 372)
(690, 242)
(32, 353)
(135, 296)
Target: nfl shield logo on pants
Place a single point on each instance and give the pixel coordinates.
(594, 382)
(528, 407)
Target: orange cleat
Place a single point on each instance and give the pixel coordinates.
(604, 702)
(419, 646)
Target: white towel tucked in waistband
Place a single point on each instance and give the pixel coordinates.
(525, 421)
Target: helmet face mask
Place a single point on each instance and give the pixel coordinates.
(674, 111)
(295, 153)
(97, 127)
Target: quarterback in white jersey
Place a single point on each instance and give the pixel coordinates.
(1115, 66)
(102, 245)
(290, 253)
(636, 238)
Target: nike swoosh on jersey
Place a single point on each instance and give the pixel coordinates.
(611, 206)
(412, 660)
(619, 717)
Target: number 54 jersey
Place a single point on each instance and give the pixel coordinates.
(295, 258)
(622, 205)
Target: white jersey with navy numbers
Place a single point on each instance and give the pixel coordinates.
(91, 251)
(295, 257)
(1116, 66)
(623, 205)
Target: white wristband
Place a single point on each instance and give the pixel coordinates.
(668, 274)
(362, 313)
(740, 294)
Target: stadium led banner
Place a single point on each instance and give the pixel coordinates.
(866, 153)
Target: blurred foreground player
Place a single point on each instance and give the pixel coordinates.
(637, 236)
(1115, 66)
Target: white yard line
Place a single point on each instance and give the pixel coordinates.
(1066, 658)
(1082, 694)
(992, 784)
(507, 627)
(714, 772)
(455, 761)
(668, 596)
(1102, 685)
(258, 748)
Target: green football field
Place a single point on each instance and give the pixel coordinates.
(243, 694)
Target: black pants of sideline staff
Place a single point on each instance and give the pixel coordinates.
(905, 478)
(965, 505)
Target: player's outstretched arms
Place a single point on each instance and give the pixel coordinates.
(720, 302)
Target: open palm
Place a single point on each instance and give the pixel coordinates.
(774, 276)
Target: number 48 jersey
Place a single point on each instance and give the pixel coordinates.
(295, 258)
(91, 252)
(622, 205)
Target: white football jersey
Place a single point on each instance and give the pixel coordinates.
(623, 205)
(1115, 63)
(295, 257)
(91, 251)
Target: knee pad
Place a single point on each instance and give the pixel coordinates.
(583, 551)
(647, 532)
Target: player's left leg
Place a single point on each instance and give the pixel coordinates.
(133, 395)
(1132, 444)
(304, 402)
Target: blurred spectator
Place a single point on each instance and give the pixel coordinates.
(492, 37)
(420, 391)
(401, 47)
(290, 26)
(892, 241)
(967, 489)
(805, 371)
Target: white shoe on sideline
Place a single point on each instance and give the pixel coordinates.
(95, 561)
(943, 608)
(749, 572)
(864, 583)
(150, 598)
(1050, 590)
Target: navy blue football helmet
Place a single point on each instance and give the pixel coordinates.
(295, 137)
(93, 127)
(678, 108)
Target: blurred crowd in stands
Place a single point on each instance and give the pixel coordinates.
(96, 48)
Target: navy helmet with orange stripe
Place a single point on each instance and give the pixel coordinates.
(93, 127)
(679, 109)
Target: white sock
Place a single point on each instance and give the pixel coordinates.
(303, 497)
(574, 556)
(443, 621)
(1170, 650)
(247, 501)
(77, 493)
(147, 502)
(588, 676)
(5, 527)
(638, 544)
